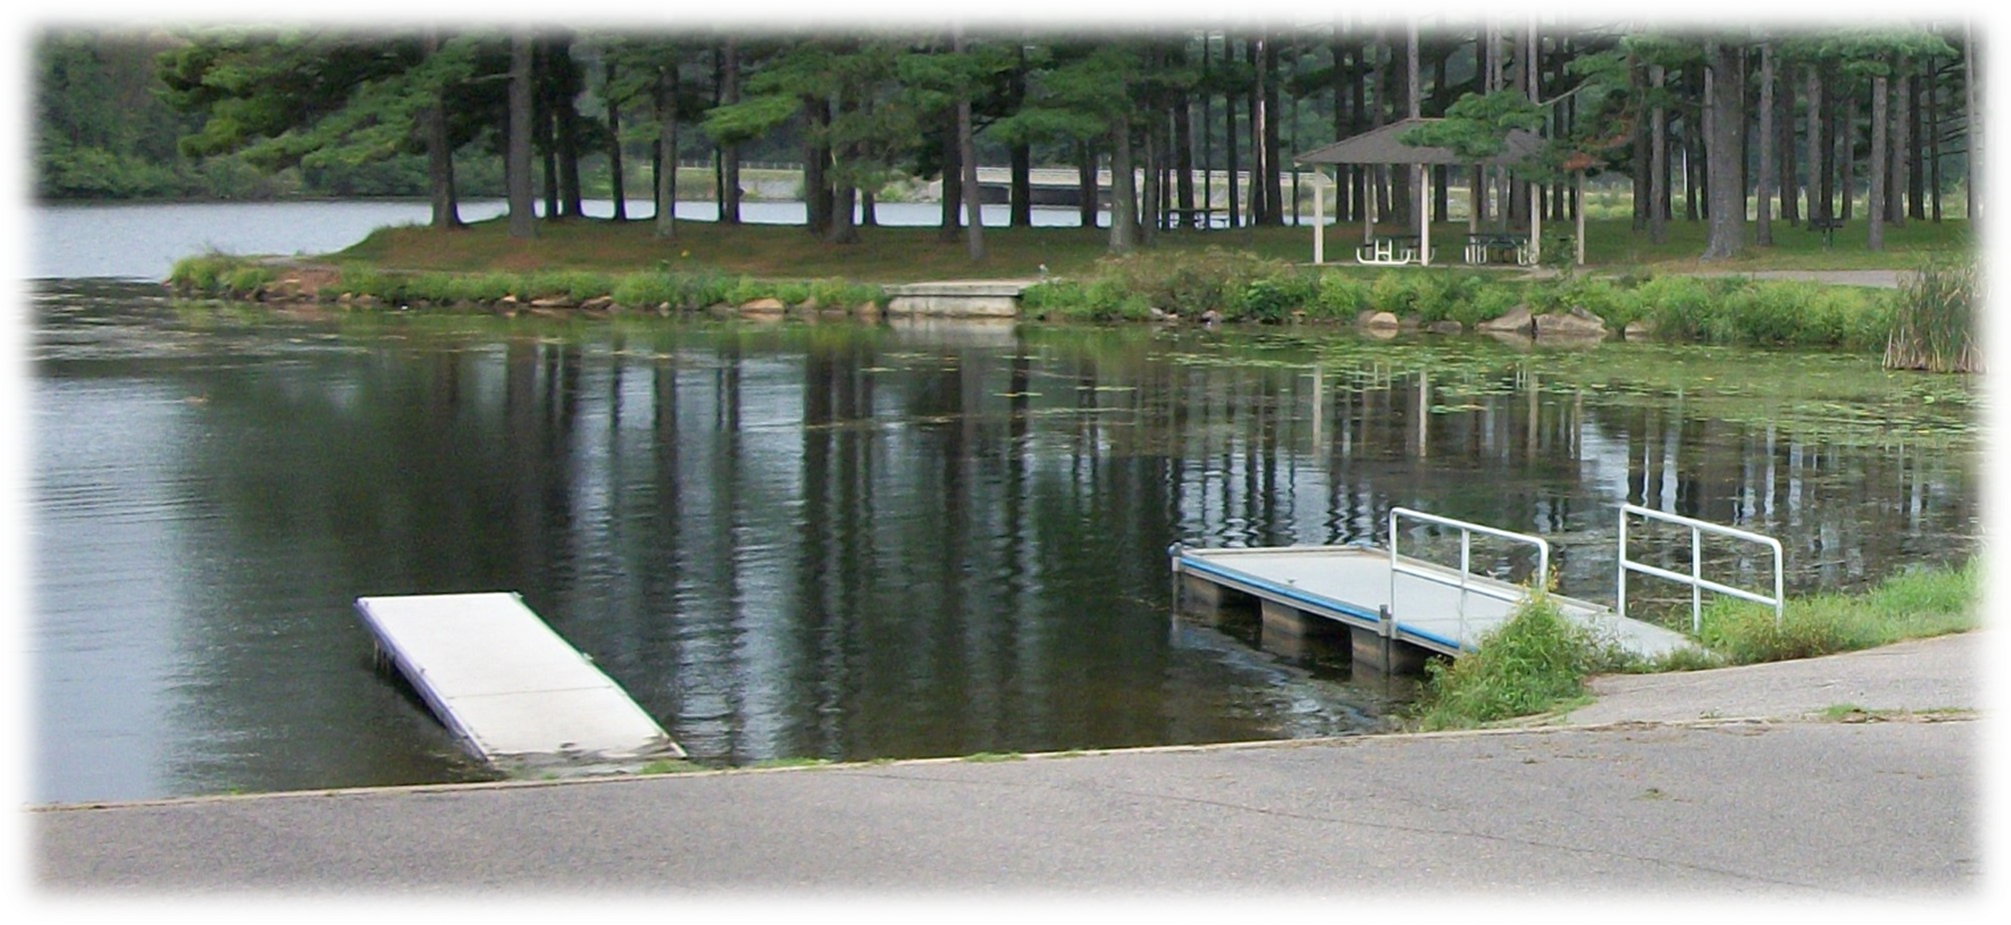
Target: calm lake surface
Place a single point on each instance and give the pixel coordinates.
(843, 541)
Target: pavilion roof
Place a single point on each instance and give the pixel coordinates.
(1380, 146)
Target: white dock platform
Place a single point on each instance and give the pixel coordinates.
(1351, 585)
(507, 685)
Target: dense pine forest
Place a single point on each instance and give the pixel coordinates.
(1811, 125)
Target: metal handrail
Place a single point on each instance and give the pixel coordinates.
(1696, 580)
(1466, 531)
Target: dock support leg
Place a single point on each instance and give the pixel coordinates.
(1204, 598)
(1293, 633)
(1377, 652)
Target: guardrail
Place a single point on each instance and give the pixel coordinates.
(1466, 531)
(1696, 580)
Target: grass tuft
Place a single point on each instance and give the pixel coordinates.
(1532, 664)
(1910, 605)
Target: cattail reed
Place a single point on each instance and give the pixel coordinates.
(1951, 318)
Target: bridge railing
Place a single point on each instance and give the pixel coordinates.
(1466, 530)
(1695, 579)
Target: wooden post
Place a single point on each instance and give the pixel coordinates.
(1423, 213)
(1319, 218)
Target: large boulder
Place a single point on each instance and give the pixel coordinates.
(1638, 329)
(1575, 323)
(1377, 321)
(1444, 326)
(1516, 321)
(761, 307)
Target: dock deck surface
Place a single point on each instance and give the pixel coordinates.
(1351, 584)
(507, 685)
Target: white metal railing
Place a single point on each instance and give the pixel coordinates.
(1696, 580)
(1466, 532)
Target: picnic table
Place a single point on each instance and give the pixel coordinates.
(1388, 250)
(1198, 217)
(1828, 227)
(1486, 247)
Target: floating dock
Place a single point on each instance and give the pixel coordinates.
(1396, 610)
(513, 691)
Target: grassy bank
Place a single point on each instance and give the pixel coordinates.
(1246, 274)
(905, 253)
(1538, 662)
(1238, 286)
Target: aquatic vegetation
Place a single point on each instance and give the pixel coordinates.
(1935, 328)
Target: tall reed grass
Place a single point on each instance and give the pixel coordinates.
(1935, 325)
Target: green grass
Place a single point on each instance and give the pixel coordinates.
(988, 757)
(1912, 605)
(216, 273)
(1537, 662)
(772, 763)
(669, 766)
(887, 254)
(1532, 664)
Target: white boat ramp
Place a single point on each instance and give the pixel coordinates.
(508, 686)
(1398, 610)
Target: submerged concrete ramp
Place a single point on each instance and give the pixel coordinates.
(507, 685)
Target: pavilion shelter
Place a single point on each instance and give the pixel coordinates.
(1382, 147)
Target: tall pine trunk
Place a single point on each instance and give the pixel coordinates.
(1875, 206)
(517, 167)
(446, 213)
(1763, 233)
(974, 235)
(616, 192)
(1123, 202)
(665, 194)
(729, 154)
(1725, 150)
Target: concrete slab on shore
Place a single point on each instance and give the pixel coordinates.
(984, 298)
(1757, 809)
(1750, 821)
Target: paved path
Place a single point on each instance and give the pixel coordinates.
(1884, 279)
(1701, 809)
(1921, 675)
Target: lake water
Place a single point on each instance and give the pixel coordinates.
(835, 540)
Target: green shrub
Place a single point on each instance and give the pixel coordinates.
(246, 280)
(1271, 299)
(1530, 664)
(1489, 303)
(792, 292)
(1595, 294)
(1338, 296)
(747, 289)
(645, 290)
(1394, 292)
(1678, 306)
(1188, 284)
(1098, 300)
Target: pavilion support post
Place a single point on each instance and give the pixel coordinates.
(1319, 180)
(1535, 225)
(1423, 215)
